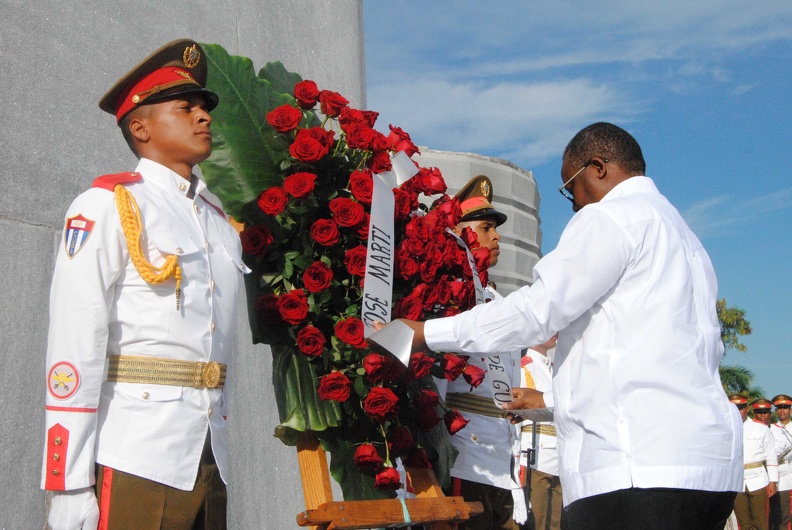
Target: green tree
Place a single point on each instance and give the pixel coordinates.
(735, 379)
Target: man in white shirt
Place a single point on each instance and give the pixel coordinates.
(761, 467)
(632, 293)
(545, 483)
(147, 280)
(779, 517)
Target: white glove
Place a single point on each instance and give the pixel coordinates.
(74, 510)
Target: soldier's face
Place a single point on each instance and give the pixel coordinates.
(179, 130)
(783, 414)
(487, 234)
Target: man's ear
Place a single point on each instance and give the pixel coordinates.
(139, 130)
(600, 165)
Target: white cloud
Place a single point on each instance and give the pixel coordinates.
(711, 217)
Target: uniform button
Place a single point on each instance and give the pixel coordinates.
(146, 395)
(206, 245)
(179, 250)
(56, 457)
(55, 472)
(209, 411)
(58, 441)
(195, 207)
(213, 327)
(474, 438)
(211, 285)
(182, 186)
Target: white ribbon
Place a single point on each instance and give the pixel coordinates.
(377, 301)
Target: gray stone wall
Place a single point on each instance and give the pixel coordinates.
(515, 194)
(57, 59)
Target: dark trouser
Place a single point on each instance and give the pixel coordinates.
(779, 511)
(650, 509)
(750, 507)
(498, 505)
(546, 500)
(128, 502)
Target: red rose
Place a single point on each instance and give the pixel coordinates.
(420, 364)
(362, 228)
(450, 209)
(380, 368)
(370, 118)
(367, 459)
(426, 410)
(469, 237)
(293, 306)
(433, 259)
(403, 204)
(311, 341)
(351, 332)
(399, 140)
(361, 184)
(412, 246)
(335, 386)
(331, 103)
(407, 266)
(267, 307)
(430, 181)
(306, 93)
(455, 256)
(311, 145)
(255, 239)
(388, 479)
(430, 297)
(299, 184)
(273, 200)
(418, 458)
(381, 404)
(325, 232)
(481, 256)
(346, 212)
(401, 440)
(379, 142)
(359, 136)
(284, 118)
(473, 375)
(355, 261)
(417, 227)
(454, 421)
(452, 366)
(409, 307)
(380, 162)
(443, 288)
(464, 294)
(317, 277)
(349, 116)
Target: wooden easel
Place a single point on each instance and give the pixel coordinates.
(430, 508)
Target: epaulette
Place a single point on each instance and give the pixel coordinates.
(109, 182)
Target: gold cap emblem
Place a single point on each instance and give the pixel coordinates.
(191, 56)
(485, 188)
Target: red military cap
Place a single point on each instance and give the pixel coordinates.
(762, 405)
(475, 199)
(738, 399)
(782, 400)
(176, 68)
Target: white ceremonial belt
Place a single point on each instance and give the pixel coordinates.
(160, 371)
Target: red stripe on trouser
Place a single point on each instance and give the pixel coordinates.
(456, 487)
(104, 502)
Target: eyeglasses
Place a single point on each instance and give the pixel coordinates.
(563, 191)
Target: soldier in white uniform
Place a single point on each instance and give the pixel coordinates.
(486, 469)
(545, 483)
(146, 281)
(761, 469)
(782, 433)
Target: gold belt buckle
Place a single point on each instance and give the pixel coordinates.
(210, 375)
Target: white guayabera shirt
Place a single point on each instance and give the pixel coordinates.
(637, 395)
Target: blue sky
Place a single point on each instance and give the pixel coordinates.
(703, 86)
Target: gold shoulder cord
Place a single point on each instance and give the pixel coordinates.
(132, 225)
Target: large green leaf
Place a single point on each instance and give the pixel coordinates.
(246, 151)
(294, 382)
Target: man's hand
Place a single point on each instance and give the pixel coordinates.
(525, 398)
(74, 510)
(772, 489)
(419, 341)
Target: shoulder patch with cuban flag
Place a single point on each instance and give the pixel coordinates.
(78, 230)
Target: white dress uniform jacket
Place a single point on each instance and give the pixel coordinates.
(100, 306)
(783, 447)
(758, 447)
(488, 446)
(539, 369)
(632, 293)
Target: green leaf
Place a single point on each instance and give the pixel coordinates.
(245, 149)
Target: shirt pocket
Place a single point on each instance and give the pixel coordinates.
(166, 244)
